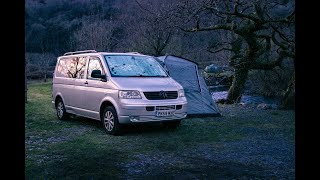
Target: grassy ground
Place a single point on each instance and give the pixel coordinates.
(243, 143)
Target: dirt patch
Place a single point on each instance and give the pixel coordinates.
(241, 159)
(267, 151)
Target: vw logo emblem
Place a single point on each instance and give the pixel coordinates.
(163, 94)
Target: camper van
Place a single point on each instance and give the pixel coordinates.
(116, 89)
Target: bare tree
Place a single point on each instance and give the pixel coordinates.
(262, 34)
(150, 30)
(98, 35)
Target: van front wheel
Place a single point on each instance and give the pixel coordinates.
(110, 121)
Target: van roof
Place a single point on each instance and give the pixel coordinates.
(93, 52)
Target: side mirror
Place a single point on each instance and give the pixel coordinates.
(97, 74)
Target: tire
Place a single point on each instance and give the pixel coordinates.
(172, 124)
(110, 121)
(61, 110)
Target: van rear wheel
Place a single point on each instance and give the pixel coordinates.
(110, 121)
(61, 110)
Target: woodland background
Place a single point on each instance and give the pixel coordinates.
(256, 38)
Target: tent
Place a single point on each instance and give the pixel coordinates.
(185, 72)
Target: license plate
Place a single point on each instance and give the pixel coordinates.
(164, 113)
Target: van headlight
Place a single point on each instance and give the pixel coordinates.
(181, 93)
(129, 95)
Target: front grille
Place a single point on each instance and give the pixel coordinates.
(165, 107)
(161, 95)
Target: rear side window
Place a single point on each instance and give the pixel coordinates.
(72, 67)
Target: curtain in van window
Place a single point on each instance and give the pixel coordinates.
(73, 67)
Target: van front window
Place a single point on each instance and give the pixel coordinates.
(134, 66)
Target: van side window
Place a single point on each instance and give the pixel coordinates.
(71, 67)
(64, 67)
(80, 63)
(94, 64)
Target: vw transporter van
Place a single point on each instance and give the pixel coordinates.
(116, 89)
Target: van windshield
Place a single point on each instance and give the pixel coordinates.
(134, 66)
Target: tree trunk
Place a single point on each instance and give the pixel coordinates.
(25, 85)
(45, 77)
(236, 89)
(288, 100)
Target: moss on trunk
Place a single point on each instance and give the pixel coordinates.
(236, 89)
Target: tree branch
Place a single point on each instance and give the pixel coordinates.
(279, 21)
(280, 34)
(267, 47)
(285, 48)
(229, 27)
(145, 9)
(221, 49)
(234, 13)
(263, 36)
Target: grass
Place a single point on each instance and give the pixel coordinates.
(78, 148)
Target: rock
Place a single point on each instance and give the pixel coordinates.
(219, 96)
(218, 75)
(213, 69)
(267, 106)
(263, 106)
(274, 106)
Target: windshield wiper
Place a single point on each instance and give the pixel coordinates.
(138, 75)
(141, 75)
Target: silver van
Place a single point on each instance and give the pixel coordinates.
(116, 89)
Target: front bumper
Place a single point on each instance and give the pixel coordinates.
(135, 113)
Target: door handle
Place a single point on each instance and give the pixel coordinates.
(86, 82)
